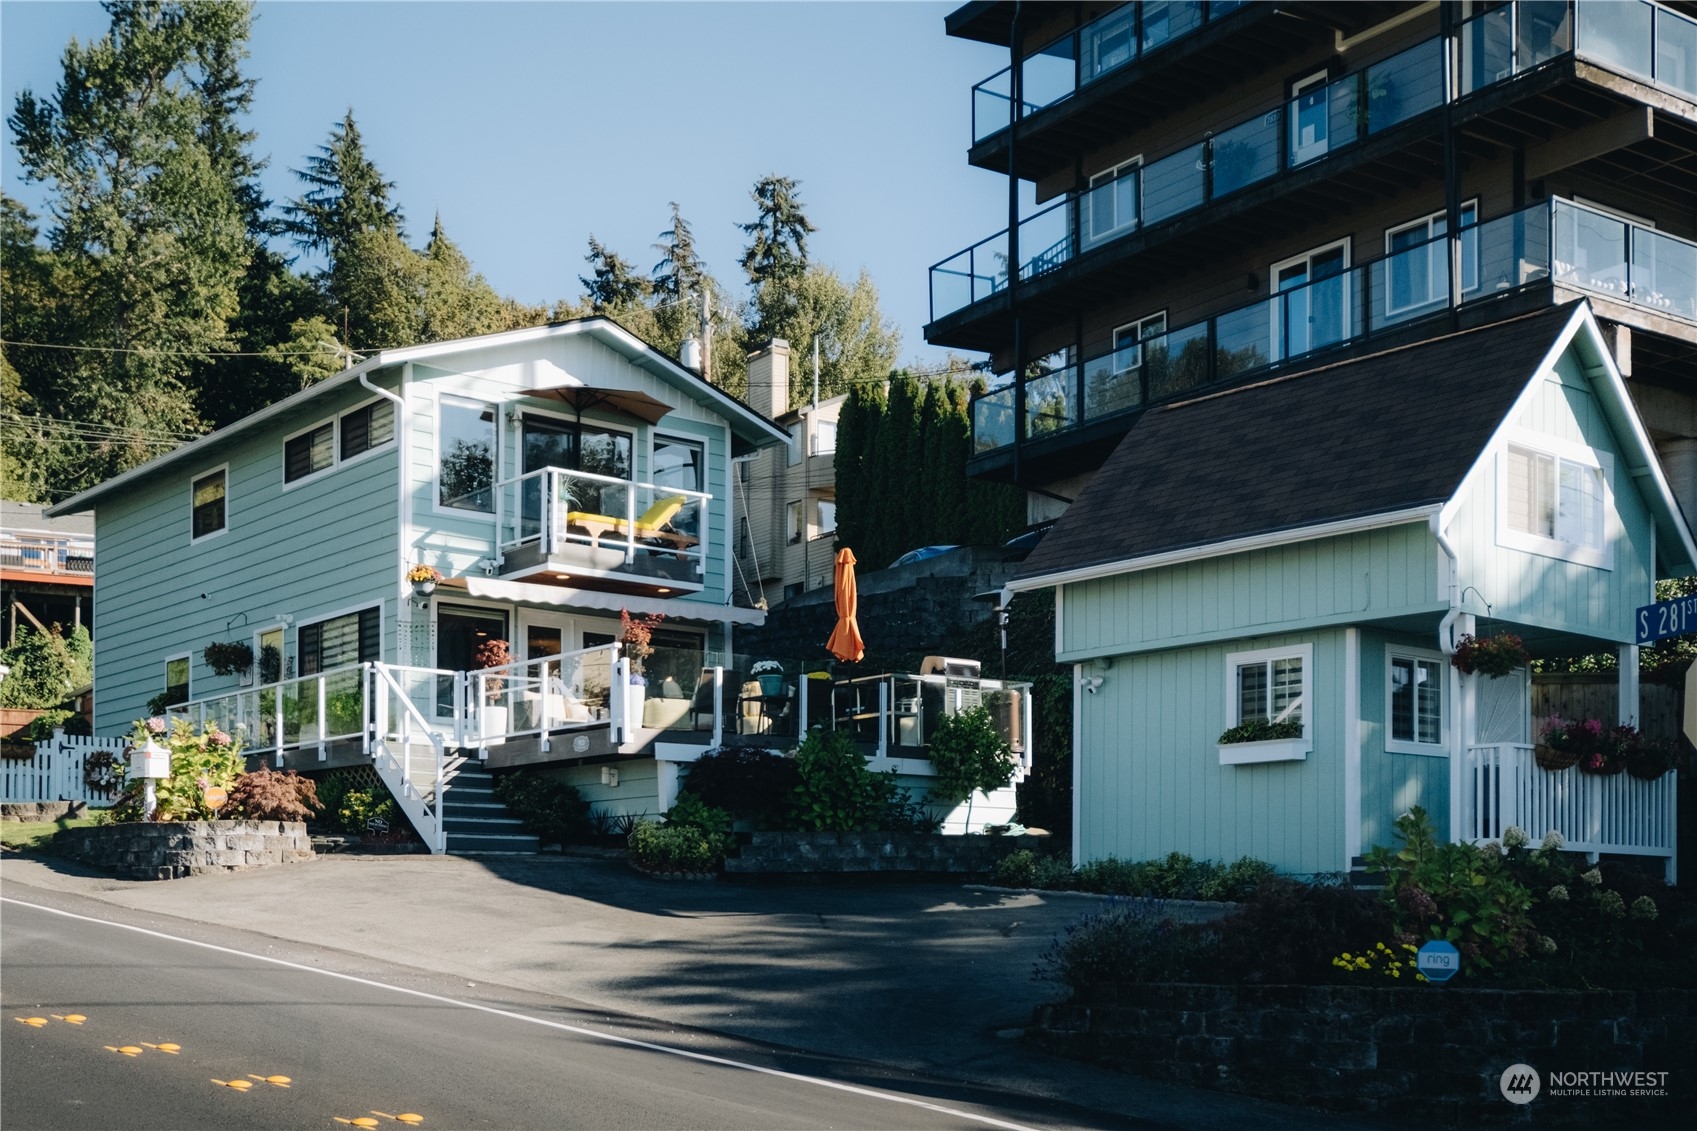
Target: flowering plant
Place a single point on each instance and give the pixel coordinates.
(1381, 959)
(637, 635)
(1563, 742)
(1490, 655)
(422, 573)
(492, 653)
(765, 666)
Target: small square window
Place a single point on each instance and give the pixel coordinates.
(309, 452)
(1273, 685)
(208, 504)
(368, 427)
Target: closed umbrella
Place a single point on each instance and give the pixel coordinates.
(845, 643)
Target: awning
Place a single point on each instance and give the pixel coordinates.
(560, 597)
(628, 401)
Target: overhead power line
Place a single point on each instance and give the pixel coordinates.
(337, 350)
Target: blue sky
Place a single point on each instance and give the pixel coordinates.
(529, 126)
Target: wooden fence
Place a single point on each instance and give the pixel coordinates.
(1596, 696)
(60, 770)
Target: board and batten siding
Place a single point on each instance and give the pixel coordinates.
(1530, 588)
(324, 545)
(1345, 579)
(1393, 783)
(1150, 781)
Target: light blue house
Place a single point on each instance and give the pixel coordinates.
(553, 476)
(1309, 549)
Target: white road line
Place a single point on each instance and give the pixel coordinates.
(611, 1038)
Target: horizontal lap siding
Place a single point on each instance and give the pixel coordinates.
(327, 544)
(1532, 589)
(1150, 780)
(1354, 577)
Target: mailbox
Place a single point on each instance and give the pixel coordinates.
(150, 760)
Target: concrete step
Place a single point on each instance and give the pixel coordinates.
(494, 826)
(460, 844)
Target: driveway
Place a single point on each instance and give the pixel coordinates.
(934, 978)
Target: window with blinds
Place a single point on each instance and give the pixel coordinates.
(309, 452)
(352, 434)
(206, 496)
(366, 428)
(354, 638)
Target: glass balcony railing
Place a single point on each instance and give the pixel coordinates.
(1576, 246)
(1057, 71)
(1634, 37)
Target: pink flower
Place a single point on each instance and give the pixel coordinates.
(156, 725)
(219, 738)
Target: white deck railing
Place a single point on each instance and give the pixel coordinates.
(1503, 785)
(533, 697)
(306, 711)
(595, 524)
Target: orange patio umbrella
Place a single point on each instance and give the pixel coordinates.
(845, 643)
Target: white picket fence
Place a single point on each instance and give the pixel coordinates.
(57, 771)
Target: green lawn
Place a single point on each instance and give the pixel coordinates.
(30, 835)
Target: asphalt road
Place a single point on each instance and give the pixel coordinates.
(107, 1025)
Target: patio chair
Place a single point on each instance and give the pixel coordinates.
(650, 526)
(730, 696)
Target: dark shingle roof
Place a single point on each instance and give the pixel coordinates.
(1377, 434)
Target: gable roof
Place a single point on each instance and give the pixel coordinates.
(744, 421)
(1384, 438)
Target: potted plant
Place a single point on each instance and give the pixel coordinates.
(1611, 752)
(423, 578)
(234, 658)
(770, 673)
(492, 653)
(1562, 742)
(1493, 656)
(636, 636)
(1651, 756)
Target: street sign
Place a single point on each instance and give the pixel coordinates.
(1666, 618)
(1438, 960)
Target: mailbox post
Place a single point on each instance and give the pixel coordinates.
(150, 761)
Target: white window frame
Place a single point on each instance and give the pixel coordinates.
(188, 660)
(819, 528)
(1599, 462)
(816, 422)
(1276, 749)
(459, 401)
(336, 460)
(1136, 336)
(223, 470)
(1437, 262)
(1088, 235)
(795, 522)
(1301, 154)
(1276, 347)
(1394, 745)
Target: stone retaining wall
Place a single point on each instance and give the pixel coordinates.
(169, 849)
(772, 853)
(43, 810)
(1432, 1053)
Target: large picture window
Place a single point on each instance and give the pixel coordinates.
(352, 638)
(465, 454)
(1414, 702)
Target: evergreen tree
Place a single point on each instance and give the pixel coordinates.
(680, 272)
(776, 257)
(347, 196)
(148, 225)
(613, 285)
(457, 301)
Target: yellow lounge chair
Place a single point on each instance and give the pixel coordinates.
(650, 524)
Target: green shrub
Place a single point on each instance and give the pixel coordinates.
(1018, 869)
(968, 754)
(675, 848)
(332, 788)
(746, 782)
(199, 762)
(1286, 932)
(1124, 944)
(45, 666)
(691, 812)
(42, 728)
(1176, 876)
(837, 793)
(1262, 730)
(549, 809)
(360, 807)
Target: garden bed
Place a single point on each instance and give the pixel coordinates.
(1433, 1053)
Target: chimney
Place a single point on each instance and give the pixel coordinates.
(769, 378)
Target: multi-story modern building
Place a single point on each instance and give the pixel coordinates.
(1227, 189)
(786, 537)
(1338, 332)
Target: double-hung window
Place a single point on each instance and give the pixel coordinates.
(206, 503)
(1110, 206)
(1414, 701)
(1272, 685)
(792, 522)
(176, 681)
(1553, 500)
(338, 440)
(1417, 271)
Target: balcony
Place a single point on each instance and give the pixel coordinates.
(1557, 242)
(48, 557)
(556, 527)
(1364, 133)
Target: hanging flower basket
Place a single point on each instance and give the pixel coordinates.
(1564, 743)
(1493, 656)
(1650, 757)
(423, 578)
(1549, 758)
(233, 658)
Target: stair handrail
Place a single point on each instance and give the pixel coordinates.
(426, 816)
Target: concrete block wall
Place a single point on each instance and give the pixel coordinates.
(172, 849)
(781, 853)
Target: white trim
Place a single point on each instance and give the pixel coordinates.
(1277, 749)
(308, 619)
(188, 660)
(1351, 746)
(290, 484)
(1393, 745)
(1432, 244)
(561, 597)
(1106, 176)
(259, 632)
(1077, 751)
(436, 505)
(222, 469)
(1278, 318)
(334, 420)
(1221, 549)
(1601, 555)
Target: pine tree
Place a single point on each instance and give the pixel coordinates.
(776, 257)
(613, 284)
(347, 196)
